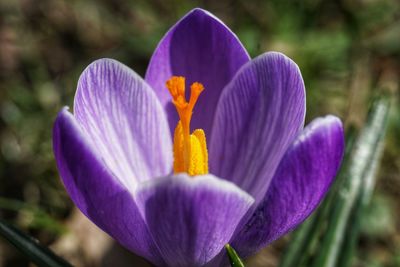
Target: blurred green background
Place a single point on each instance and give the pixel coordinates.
(348, 51)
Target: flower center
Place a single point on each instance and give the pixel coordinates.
(190, 150)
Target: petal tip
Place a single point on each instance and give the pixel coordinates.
(321, 124)
(63, 110)
(328, 121)
(279, 56)
(199, 12)
(102, 61)
(332, 119)
(192, 182)
(215, 182)
(63, 114)
(94, 64)
(106, 62)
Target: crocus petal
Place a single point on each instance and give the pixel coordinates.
(96, 192)
(203, 49)
(301, 181)
(191, 218)
(259, 114)
(125, 121)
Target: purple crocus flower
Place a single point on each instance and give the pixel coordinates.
(265, 173)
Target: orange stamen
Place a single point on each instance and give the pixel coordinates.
(190, 150)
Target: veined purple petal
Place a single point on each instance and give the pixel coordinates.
(259, 114)
(301, 181)
(191, 218)
(95, 190)
(203, 49)
(125, 122)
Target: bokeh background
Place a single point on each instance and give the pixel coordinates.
(348, 51)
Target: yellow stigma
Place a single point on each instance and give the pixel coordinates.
(190, 150)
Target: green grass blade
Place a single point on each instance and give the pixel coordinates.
(234, 258)
(365, 151)
(30, 247)
(297, 248)
(300, 249)
(368, 183)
